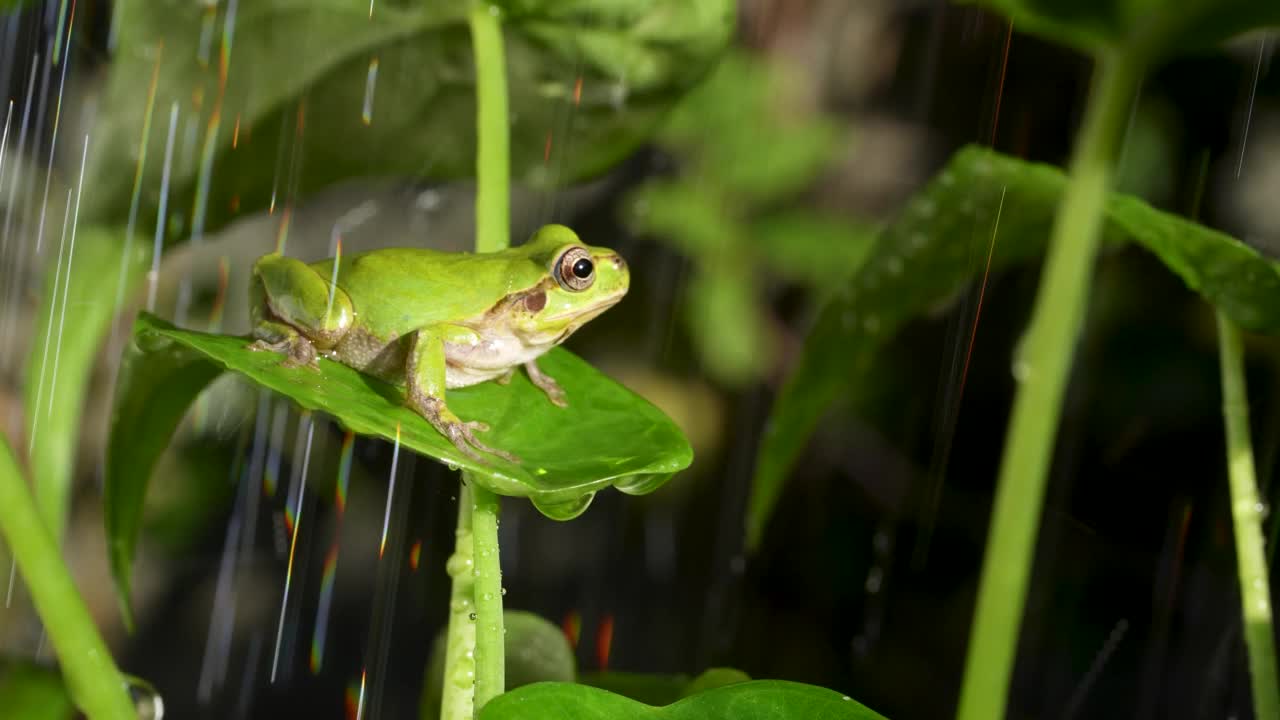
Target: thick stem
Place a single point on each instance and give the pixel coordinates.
(475, 652)
(489, 633)
(493, 168)
(1042, 368)
(96, 685)
(1246, 513)
(458, 688)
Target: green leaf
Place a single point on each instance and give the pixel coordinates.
(1154, 28)
(940, 243)
(648, 688)
(536, 651)
(83, 292)
(661, 689)
(608, 436)
(158, 382)
(746, 128)
(755, 700)
(816, 250)
(382, 93)
(31, 692)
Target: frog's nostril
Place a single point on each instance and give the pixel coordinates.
(619, 263)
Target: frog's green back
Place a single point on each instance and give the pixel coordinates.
(397, 290)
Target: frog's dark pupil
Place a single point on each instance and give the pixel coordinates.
(582, 268)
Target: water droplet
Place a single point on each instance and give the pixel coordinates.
(846, 697)
(460, 604)
(464, 673)
(458, 564)
(1021, 370)
(451, 465)
(146, 699)
(472, 617)
(504, 592)
(488, 597)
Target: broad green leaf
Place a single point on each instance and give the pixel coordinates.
(648, 688)
(158, 382)
(608, 436)
(755, 700)
(661, 689)
(31, 692)
(1152, 28)
(277, 98)
(982, 204)
(84, 288)
(536, 651)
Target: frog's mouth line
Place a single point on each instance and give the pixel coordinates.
(585, 315)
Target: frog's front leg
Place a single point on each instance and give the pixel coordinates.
(295, 310)
(546, 383)
(425, 378)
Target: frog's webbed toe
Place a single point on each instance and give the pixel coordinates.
(460, 432)
(546, 384)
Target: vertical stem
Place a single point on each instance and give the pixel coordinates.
(96, 685)
(493, 168)
(489, 633)
(475, 651)
(458, 686)
(1251, 559)
(1042, 371)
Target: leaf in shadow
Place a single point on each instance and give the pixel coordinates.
(1154, 28)
(983, 212)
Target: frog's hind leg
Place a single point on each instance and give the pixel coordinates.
(296, 310)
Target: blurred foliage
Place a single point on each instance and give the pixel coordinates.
(1151, 28)
(536, 651)
(748, 148)
(981, 213)
(381, 92)
(31, 692)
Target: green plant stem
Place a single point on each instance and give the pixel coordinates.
(95, 684)
(458, 687)
(1246, 514)
(493, 165)
(475, 659)
(1042, 369)
(490, 643)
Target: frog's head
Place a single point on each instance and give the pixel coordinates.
(578, 282)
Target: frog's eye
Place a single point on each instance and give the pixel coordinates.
(575, 271)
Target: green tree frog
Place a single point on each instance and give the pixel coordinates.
(435, 320)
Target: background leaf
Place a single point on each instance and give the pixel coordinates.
(382, 94)
(608, 436)
(31, 692)
(536, 651)
(1156, 27)
(82, 295)
(983, 203)
(755, 700)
